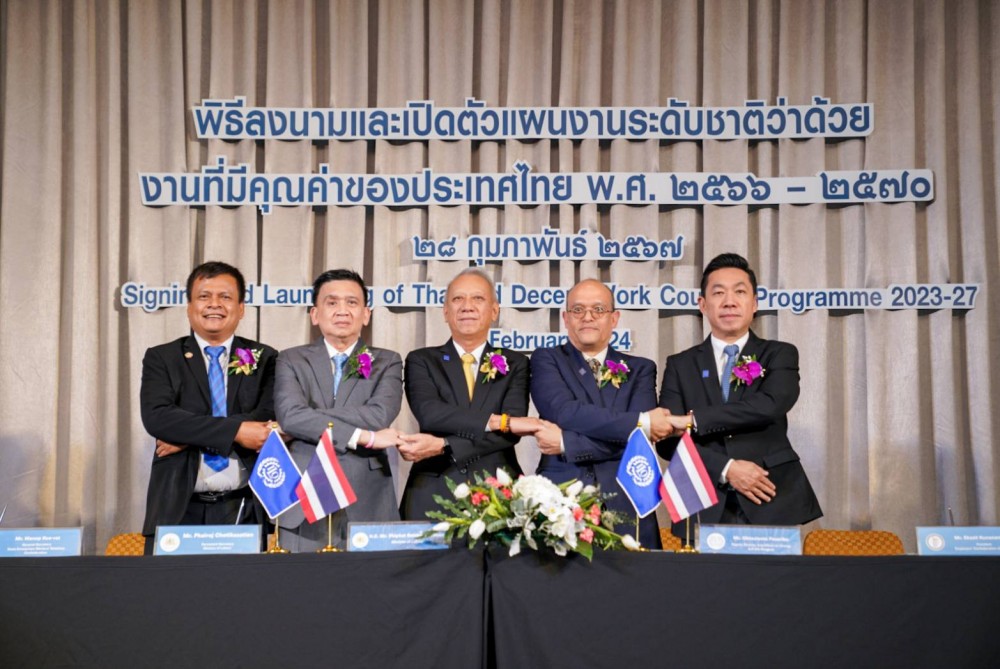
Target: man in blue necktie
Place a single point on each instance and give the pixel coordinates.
(340, 379)
(735, 390)
(207, 398)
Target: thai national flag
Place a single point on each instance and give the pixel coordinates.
(686, 488)
(324, 488)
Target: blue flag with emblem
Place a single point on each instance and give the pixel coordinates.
(639, 474)
(275, 477)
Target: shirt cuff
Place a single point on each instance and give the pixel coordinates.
(725, 470)
(644, 423)
(562, 445)
(352, 443)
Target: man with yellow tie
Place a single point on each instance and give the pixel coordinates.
(470, 399)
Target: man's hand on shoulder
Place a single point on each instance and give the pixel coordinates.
(252, 434)
(751, 480)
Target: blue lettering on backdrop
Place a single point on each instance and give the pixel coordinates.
(421, 120)
(664, 297)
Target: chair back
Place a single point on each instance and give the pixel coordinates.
(852, 542)
(130, 543)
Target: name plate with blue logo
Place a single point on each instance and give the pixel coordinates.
(41, 542)
(206, 539)
(402, 536)
(969, 541)
(750, 540)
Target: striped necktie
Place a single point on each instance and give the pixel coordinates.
(217, 384)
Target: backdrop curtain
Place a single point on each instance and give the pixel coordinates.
(896, 423)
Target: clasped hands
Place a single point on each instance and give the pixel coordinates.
(419, 446)
(663, 424)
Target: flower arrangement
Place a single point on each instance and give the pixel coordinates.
(359, 365)
(615, 373)
(244, 361)
(493, 363)
(747, 371)
(531, 511)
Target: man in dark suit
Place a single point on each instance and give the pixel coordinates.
(592, 407)
(207, 398)
(341, 380)
(741, 422)
(469, 399)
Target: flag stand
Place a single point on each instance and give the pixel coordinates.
(329, 548)
(687, 547)
(276, 548)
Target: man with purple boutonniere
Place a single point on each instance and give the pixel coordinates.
(470, 400)
(208, 399)
(359, 388)
(591, 398)
(734, 390)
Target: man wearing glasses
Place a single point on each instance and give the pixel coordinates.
(594, 396)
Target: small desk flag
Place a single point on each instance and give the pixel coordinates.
(639, 474)
(324, 488)
(686, 488)
(275, 477)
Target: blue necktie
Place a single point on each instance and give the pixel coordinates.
(727, 371)
(217, 384)
(338, 371)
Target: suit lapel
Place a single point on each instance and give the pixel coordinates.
(322, 369)
(347, 383)
(752, 347)
(194, 358)
(234, 380)
(580, 371)
(481, 391)
(609, 393)
(451, 362)
(710, 381)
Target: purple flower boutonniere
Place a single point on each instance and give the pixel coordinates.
(359, 365)
(747, 371)
(615, 373)
(244, 361)
(493, 363)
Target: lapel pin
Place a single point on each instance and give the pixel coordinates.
(582, 371)
(189, 355)
(447, 358)
(704, 374)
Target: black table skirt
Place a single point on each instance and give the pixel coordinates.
(468, 609)
(688, 611)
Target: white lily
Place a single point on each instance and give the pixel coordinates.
(629, 542)
(461, 491)
(477, 528)
(442, 526)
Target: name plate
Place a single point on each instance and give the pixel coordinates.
(750, 540)
(41, 542)
(206, 539)
(958, 541)
(402, 536)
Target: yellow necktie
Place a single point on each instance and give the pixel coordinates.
(468, 360)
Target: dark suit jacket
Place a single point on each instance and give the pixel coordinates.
(596, 422)
(176, 406)
(305, 405)
(752, 426)
(438, 396)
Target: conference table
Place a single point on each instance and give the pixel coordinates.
(481, 608)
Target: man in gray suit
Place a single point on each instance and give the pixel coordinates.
(339, 379)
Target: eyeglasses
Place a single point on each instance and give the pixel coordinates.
(597, 313)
